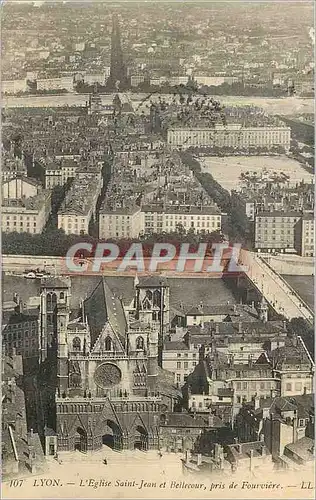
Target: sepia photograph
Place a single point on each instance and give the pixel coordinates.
(158, 239)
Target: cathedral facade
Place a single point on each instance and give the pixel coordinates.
(110, 386)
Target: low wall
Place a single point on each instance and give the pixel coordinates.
(295, 265)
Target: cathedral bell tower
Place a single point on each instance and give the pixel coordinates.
(54, 316)
(152, 307)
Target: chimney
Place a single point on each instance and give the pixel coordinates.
(250, 360)
(211, 420)
(294, 423)
(238, 448)
(199, 459)
(218, 451)
(12, 390)
(284, 326)
(239, 327)
(13, 357)
(20, 306)
(216, 328)
(251, 460)
(256, 401)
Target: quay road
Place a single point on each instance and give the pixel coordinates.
(278, 293)
(273, 106)
(276, 290)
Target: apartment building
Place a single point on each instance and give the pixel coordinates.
(20, 332)
(179, 359)
(231, 135)
(239, 342)
(170, 218)
(79, 205)
(275, 231)
(25, 206)
(12, 166)
(13, 86)
(57, 172)
(137, 79)
(282, 371)
(122, 222)
(305, 235)
(61, 83)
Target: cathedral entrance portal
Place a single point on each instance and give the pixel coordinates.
(113, 436)
(81, 440)
(141, 439)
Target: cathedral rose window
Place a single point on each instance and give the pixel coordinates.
(107, 375)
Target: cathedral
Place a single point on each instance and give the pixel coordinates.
(110, 386)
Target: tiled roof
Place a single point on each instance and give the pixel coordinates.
(54, 283)
(246, 448)
(175, 346)
(185, 420)
(101, 307)
(302, 448)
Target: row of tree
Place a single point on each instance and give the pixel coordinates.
(236, 225)
(55, 242)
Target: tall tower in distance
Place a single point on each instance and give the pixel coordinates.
(117, 80)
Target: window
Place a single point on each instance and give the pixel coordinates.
(185, 364)
(140, 343)
(288, 387)
(178, 364)
(76, 344)
(178, 377)
(298, 386)
(238, 385)
(301, 422)
(178, 355)
(238, 399)
(108, 344)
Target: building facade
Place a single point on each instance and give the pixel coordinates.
(79, 205)
(25, 206)
(111, 389)
(275, 231)
(171, 218)
(232, 135)
(305, 236)
(121, 222)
